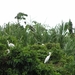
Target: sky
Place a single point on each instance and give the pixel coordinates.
(49, 12)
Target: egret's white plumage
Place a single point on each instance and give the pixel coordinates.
(47, 58)
(10, 44)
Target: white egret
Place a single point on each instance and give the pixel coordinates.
(10, 44)
(8, 51)
(47, 58)
(42, 44)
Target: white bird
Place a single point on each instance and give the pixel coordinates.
(47, 58)
(8, 51)
(10, 44)
(42, 44)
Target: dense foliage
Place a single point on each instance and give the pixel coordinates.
(32, 45)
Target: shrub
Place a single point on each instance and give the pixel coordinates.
(52, 45)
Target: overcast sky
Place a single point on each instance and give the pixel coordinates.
(49, 12)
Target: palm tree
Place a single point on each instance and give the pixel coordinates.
(20, 16)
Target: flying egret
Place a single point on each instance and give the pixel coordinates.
(10, 44)
(47, 58)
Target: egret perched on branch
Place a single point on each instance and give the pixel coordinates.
(10, 44)
(47, 58)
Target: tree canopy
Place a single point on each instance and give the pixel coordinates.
(32, 45)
